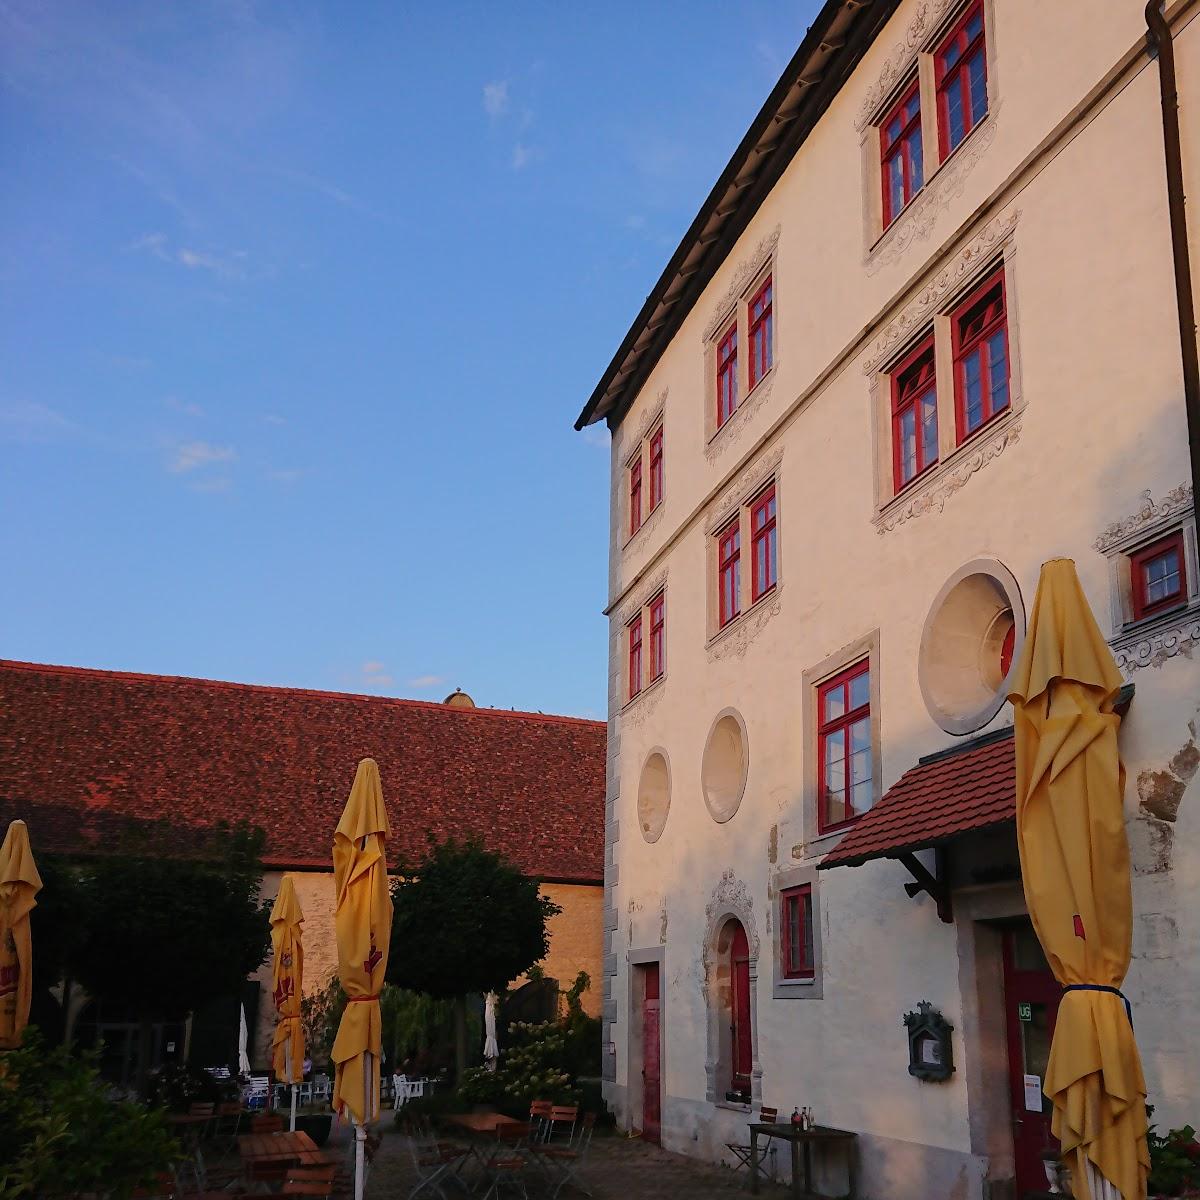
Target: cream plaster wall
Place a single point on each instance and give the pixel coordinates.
(1092, 303)
(574, 942)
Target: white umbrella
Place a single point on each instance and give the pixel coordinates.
(243, 1044)
(491, 1048)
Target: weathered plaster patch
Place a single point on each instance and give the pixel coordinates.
(1185, 763)
(662, 924)
(1159, 793)
(798, 851)
(773, 845)
(1150, 844)
(1158, 936)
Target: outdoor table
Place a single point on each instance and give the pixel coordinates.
(481, 1122)
(802, 1141)
(293, 1148)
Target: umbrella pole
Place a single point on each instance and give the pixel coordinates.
(292, 1125)
(360, 1133)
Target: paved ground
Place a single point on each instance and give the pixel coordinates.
(619, 1168)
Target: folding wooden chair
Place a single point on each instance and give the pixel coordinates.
(539, 1117)
(741, 1150)
(506, 1166)
(569, 1160)
(266, 1123)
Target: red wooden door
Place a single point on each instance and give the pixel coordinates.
(739, 953)
(651, 1057)
(1031, 996)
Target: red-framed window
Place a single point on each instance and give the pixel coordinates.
(658, 637)
(656, 468)
(742, 1039)
(727, 383)
(845, 783)
(980, 335)
(960, 70)
(902, 156)
(761, 327)
(796, 933)
(729, 572)
(635, 656)
(1159, 576)
(635, 495)
(914, 415)
(764, 567)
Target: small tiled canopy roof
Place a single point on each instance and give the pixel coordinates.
(957, 791)
(86, 754)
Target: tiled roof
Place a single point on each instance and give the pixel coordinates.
(85, 753)
(957, 791)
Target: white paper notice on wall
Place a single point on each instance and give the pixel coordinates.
(1033, 1093)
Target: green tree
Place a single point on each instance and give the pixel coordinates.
(162, 935)
(465, 921)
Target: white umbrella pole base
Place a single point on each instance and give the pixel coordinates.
(292, 1125)
(1098, 1187)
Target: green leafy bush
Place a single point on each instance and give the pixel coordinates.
(176, 1086)
(62, 1132)
(530, 1068)
(1174, 1160)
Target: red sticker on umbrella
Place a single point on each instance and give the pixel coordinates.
(1079, 927)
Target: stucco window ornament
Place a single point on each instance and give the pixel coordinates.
(734, 640)
(651, 419)
(1152, 649)
(932, 496)
(930, 1049)
(642, 706)
(921, 310)
(899, 63)
(741, 489)
(732, 430)
(917, 220)
(743, 275)
(1150, 513)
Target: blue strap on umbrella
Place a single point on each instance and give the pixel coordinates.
(1102, 987)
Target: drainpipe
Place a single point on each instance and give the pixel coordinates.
(1159, 36)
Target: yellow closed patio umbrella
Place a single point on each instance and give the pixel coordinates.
(287, 981)
(19, 885)
(363, 924)
(1075, 867)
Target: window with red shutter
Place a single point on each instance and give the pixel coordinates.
(727, 383)
(902, 156)
(796, 932)
(914, 416)
(763, 551)
(729, 572)
(761, 325)
(980, 335)
(1159, 576)
(960, 72)
(635, 656)
(845, 768)
(656, 468)
(658, 637)
(635, 495)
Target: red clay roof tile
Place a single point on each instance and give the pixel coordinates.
(939, 798)
(85, 753)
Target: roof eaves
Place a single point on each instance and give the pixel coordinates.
(829, 52)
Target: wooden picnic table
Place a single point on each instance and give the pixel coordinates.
(802, 1142)
(297, 1148)
(481, 1122)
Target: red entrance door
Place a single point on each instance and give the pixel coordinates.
(1031, 996)
(651, 1056)
(739, 954)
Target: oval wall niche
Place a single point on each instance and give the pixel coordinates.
(972, 636)
(725, 766)
(654, 796)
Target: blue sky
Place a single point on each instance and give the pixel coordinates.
(298, 303)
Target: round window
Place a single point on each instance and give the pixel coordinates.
(726, 761)
(970, 639)
(654, 796)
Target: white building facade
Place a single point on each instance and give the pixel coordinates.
(923, 336)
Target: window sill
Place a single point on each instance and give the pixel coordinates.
(1154, 639)
(737, 420)
(651, 689)
(750, 619)
(926, 194)
(797, 989)
(648, 522)
(930, 490)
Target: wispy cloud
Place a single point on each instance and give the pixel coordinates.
(374, 674)
(175, 404)
(215, 484)
(523, 155)
(597, 435)
(191, 456)
(426, 681)
(227, 266)
(495, 98)
(28, 421)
